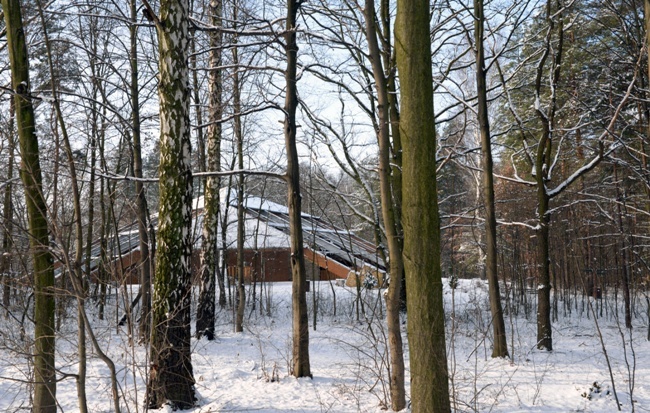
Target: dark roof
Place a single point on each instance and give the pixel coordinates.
(335, 243)
(322, 237)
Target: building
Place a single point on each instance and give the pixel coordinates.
(330, 252)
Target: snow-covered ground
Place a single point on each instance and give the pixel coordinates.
(248, 372)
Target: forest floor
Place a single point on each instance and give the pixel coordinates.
(249, 372)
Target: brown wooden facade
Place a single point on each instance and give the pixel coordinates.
(268, 264)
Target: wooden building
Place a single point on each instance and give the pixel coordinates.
(330, 253)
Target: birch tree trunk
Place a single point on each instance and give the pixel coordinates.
(420, 218)
(241, 291)
(30, 173)
(171, 379)
(205, 317)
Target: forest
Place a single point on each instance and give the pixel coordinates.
(476, 170)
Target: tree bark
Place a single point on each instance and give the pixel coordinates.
(625, 275)
(205, 317)
(7, 214)
(393, 239)
(390, 65)
(544, 331)
(426, 323)
(500, 348)
(75, 266)
(300, 364)
(646, 17)
(542, 165)
(241, 291)
(94, 119)
(171, 378)
(30, 172)
(144, 330)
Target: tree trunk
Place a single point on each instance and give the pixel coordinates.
(140, 198)
(625, 277)
(171, 378)
(94, 119)
(646, 14)
(390, 66)
(75, 266)
(241, 291)
(30, 172)
(426, 322)
(498, 325)
(205, 317)
(196, 88)
(542, 165)
(393, 240)
(103, 245)
(544, 331)
(7, 214)
(301, 366)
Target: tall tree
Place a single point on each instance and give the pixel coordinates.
(388, 208)
(171, 380)
(555, 100)
(92, 25)
(646, 14)
(7, 215)
(301, 366)
(239, 137)
(74, 266)
(30, 173)
(500, 348)
(141, 201)
(426, 321)
(205, 313)
(543, 162)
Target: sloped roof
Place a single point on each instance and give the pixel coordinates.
(324, 238)
(266, 226)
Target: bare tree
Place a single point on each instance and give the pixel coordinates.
(210, 253)
(300, 366)
(239, 138)
(550, 113)
(30, 172)
(7, 214)
(389, 213)
(500, 348)
(141, 200)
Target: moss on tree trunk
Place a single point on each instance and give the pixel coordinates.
(171, 378)
(30, 173)
(420, 219)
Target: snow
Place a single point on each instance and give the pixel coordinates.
(249, 372)
(257, 203)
